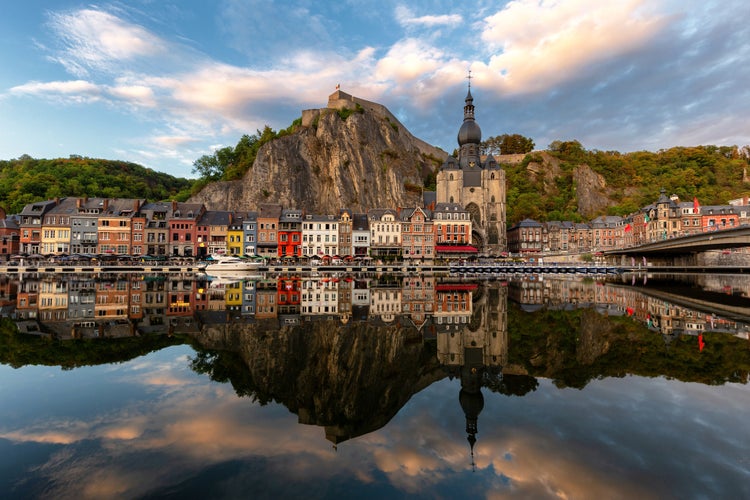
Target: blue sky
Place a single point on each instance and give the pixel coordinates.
(161, 83)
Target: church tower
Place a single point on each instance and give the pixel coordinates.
(476, 184)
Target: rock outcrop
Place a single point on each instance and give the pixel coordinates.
(352, 154)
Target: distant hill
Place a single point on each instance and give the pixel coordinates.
(568, 182)
(25, 180)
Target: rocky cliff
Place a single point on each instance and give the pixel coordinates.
(352, 154)
(593, 195)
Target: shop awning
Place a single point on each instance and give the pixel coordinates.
(455, 249)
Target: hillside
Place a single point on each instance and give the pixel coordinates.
(25, 180)
(570, 183)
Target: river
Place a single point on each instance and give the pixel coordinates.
(374, 386)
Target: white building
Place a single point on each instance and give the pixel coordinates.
(320, 235)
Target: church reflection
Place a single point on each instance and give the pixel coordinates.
(472, 343)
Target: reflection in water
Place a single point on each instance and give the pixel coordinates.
(348, 353)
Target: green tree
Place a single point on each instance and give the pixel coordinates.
(507, 144)
(212, 167)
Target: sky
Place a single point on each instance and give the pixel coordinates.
(161, 83)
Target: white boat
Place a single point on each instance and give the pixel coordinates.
(231, 264)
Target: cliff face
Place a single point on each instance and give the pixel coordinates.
(366, 160)
(593, 195)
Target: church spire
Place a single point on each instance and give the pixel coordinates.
(469, 135)
(469, 106)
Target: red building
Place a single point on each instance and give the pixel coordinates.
(290, 233)
(9, 236)
(184, 237)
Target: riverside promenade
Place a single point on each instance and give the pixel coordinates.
(464, 269)
(479, 269)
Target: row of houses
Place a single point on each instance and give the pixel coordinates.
(136, 227)
(667, 218)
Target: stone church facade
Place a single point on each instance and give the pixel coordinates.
(477, 185)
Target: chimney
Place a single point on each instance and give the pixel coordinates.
(105, 204)
(79, 202)
(136, 206)
(174, 206)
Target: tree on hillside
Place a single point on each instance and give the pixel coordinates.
(212, 167)
(507, 144)
(231, 163)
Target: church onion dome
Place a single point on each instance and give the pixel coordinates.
(472, 403)
(469, 133)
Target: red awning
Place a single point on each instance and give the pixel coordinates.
(456, 287)
(456, 248)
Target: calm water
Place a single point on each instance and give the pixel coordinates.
(375, 387)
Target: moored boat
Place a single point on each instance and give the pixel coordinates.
(231, 264)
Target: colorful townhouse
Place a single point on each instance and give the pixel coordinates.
(290, 233)
(385, 233)
(417, 235)
(346, 247)
(268, 227)
(10, 236)
(184, 238)
(56, 228)
(30, 225)
(250, 234)
(235, 234)
(115, 225)
(156, 230)
(320, 235)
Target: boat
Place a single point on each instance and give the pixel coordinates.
(225, 264)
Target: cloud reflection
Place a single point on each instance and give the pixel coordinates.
(552, 443)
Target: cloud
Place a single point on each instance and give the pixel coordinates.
(537, 45)
(77, 91)
(410, 60)
(97, 40)
(406, 17)
(139, 95)
(580, 69)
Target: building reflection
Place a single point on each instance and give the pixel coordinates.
(85, 306)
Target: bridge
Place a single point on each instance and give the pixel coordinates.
(691, 244)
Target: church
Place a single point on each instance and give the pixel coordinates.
(477, 185)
